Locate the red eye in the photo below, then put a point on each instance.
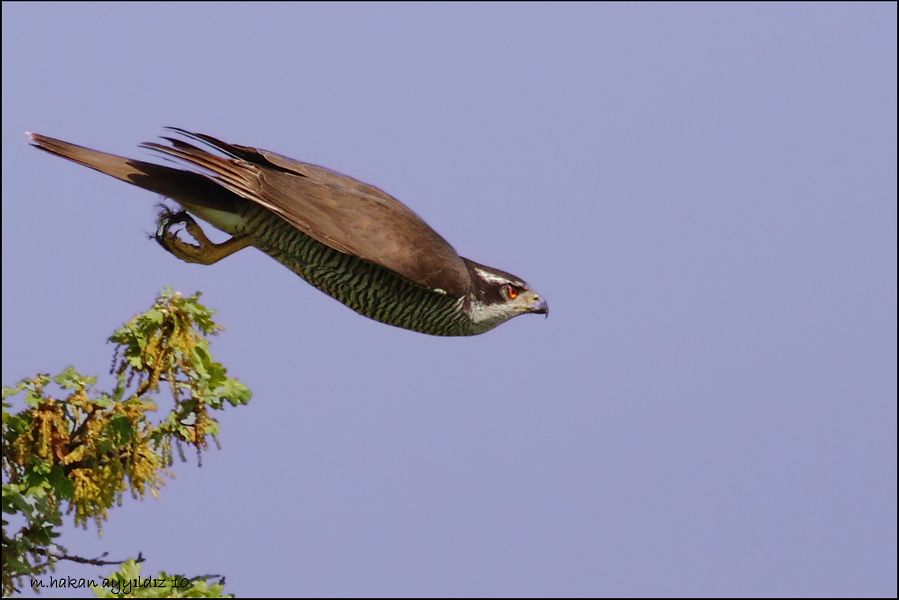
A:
(511, 292)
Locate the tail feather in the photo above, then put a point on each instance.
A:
(186, 187)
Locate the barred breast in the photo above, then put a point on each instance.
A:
(367, 288)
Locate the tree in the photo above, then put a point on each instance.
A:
(79, 450)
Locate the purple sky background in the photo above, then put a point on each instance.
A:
(706, 195)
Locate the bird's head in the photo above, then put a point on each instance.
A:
(497, 296)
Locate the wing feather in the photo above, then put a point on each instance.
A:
(334, 209)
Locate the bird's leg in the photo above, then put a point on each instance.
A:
(206, 252)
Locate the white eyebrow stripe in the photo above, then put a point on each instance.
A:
(491, 277)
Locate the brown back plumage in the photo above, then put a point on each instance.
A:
(338, 211)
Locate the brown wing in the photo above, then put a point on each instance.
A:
(336, 210)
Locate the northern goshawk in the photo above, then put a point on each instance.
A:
(348, 239)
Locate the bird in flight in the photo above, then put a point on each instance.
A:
(350, 240)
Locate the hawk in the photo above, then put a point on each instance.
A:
(349, 239)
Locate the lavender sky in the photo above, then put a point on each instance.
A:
(705, 193)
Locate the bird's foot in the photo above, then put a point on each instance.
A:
(206, 252)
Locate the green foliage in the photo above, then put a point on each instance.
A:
(79, 450)
(127, 583)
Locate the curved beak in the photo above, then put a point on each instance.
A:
(539, 306)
